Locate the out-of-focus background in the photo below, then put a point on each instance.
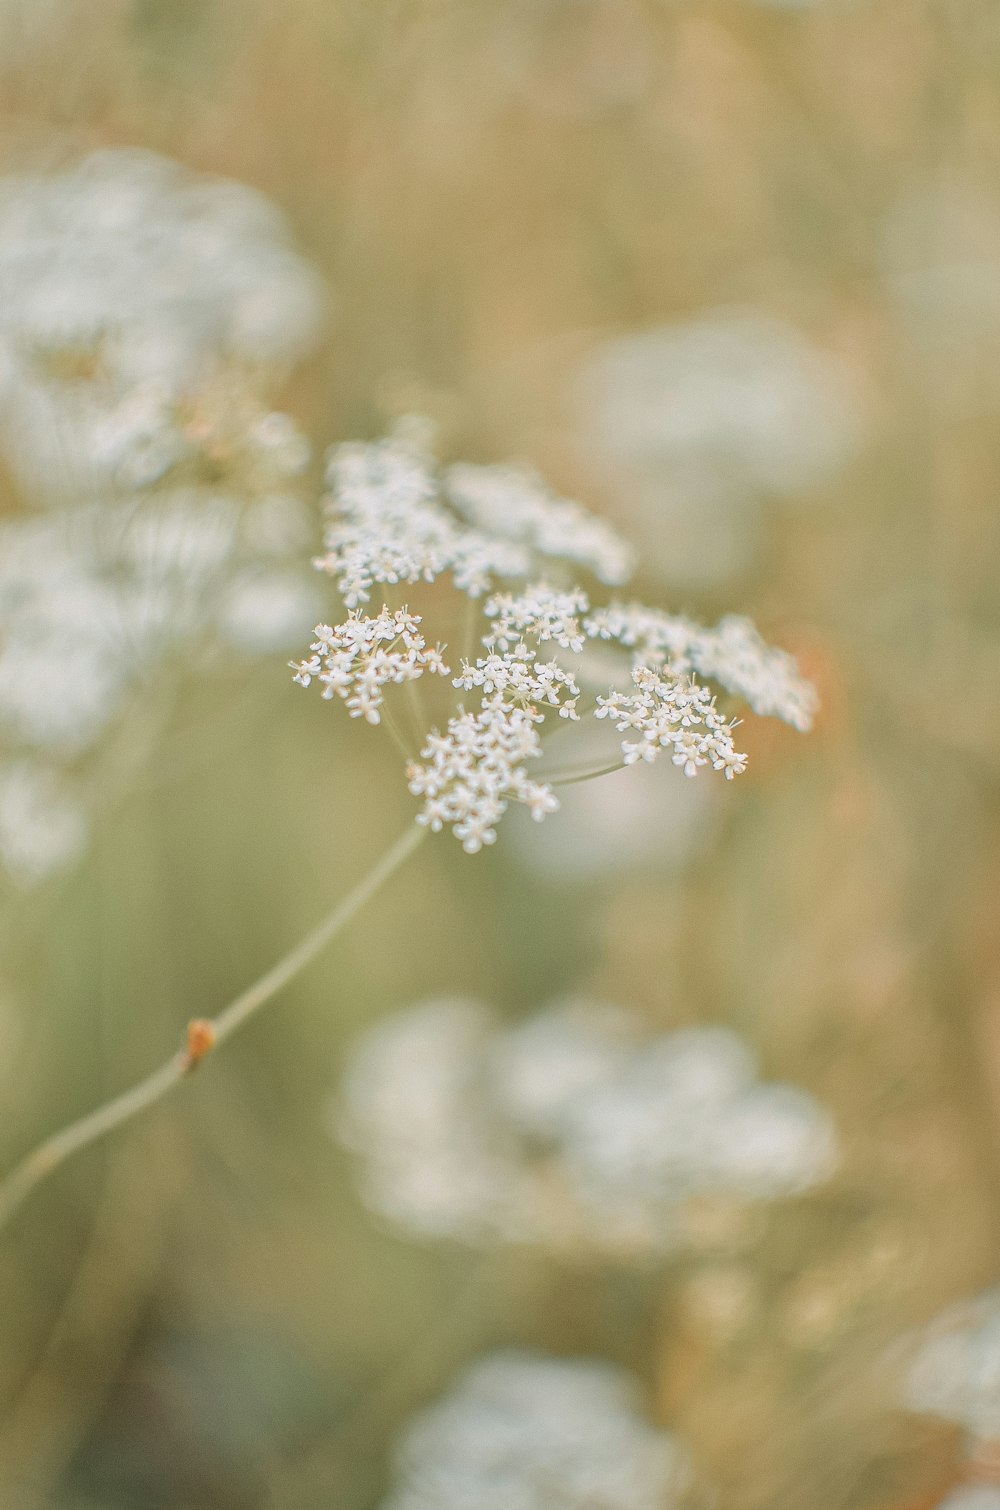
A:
(728, 273)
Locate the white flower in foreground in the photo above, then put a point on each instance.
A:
(395, 520)
(732, 654)
(358, 659)
(523, 1432)
(956, 1371)
(573, 1129)
(671, 712)
(473, 772)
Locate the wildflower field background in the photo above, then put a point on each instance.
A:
(729, 275)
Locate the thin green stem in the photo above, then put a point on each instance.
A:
(55, 1150)
(588, 775)
(418, 721)
(468, 637)
(396, 734)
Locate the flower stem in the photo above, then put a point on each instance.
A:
(203, 1036)
(587, 775)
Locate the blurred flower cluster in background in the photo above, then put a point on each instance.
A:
(649, 1159)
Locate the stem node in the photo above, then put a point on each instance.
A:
(201, 1040)
(202, 1036)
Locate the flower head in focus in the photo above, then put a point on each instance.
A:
(398, 523)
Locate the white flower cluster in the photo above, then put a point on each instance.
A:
(124, 282)
(513, 503)
(671, 711)
(518, 677)
(393, 518)
(524, 1432)
(574, 1129)
(542, 612)
(474, 770)
(956, 1371)
(732, 654)
(358, 658)
(143, 312)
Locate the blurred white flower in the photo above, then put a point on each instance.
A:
(941, 267)
(575, 1128)
(972, 1497)
(124, 282)
(409, 1108)
(263, 611)
(96, 602)
(956, 1371)
(91, 598)
(692, 423)
(523, 1432)
(42, 828)
(515, 504)
(63, 658)
(735, 387)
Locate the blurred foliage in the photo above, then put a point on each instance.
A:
(200, 1314)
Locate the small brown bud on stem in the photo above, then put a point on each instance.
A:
(200, 1041)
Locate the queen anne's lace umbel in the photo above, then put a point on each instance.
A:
(394, 518)
(360, 657)
(732, 654)
(474, 770)
(670, 711)
(388, 523)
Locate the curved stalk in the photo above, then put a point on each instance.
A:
(589, 775)
(203, 1037)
